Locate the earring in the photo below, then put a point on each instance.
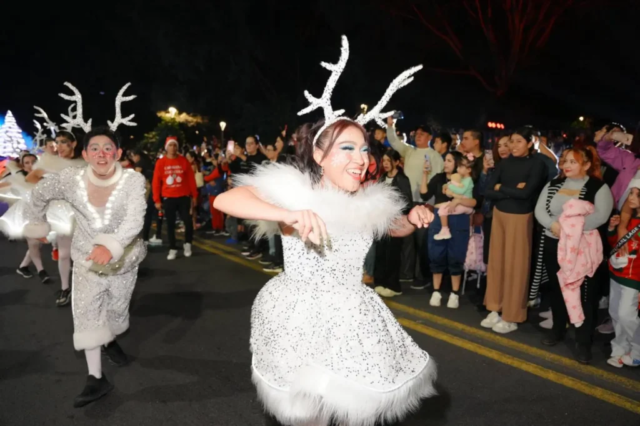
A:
(321, 171)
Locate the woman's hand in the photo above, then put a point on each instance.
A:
(308, 224)
(555, 229)
(420, 217)
(100, 255)
(497, 187)
(614, 222)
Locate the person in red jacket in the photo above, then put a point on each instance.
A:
(175, 191)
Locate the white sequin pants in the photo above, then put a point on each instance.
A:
(100, 305)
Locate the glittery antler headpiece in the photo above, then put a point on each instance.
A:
(75, 119)
(324, 101)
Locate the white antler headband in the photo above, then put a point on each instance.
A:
(39, 136)
(75, 119)
(119, 120)
(53, 127)
(324, 102)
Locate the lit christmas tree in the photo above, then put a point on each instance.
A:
(11, 140)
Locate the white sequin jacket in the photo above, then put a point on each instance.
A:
(116, 229)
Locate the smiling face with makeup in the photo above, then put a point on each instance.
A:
(102, 154)
(346, 161)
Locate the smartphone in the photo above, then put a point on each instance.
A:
(623, 138)
(427, 162)
(398, 115)
(230, 146)
(489, 155)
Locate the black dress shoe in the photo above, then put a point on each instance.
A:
(583, 353)
(93, 390)
(115, 354)
(552, 340)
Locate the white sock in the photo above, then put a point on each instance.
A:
(34, 253)
(64, 260)
(94, 362)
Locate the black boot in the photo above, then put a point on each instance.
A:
(93, 390)
(552, 339)
(583, 353)
(115, 354)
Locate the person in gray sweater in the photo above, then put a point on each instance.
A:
(582, 180)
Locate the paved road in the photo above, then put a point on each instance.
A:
(189, 346)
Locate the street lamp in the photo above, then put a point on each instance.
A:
(581, 118)
(222, 127)
(173, 111)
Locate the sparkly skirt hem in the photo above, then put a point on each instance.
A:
(319, 396)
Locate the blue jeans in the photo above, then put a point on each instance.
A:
(449, 254)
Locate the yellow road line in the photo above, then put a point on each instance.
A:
(553, 376)
(530, 350)
(227, 253)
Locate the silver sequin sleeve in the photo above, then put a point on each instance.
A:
(50, 188)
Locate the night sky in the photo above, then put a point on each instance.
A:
(248, 62)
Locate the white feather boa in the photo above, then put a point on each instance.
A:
(54, 164)
(371, 210)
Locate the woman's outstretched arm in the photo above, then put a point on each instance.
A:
(244, 202)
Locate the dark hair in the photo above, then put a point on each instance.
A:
(393, 155)
(612, 125)
(425, 128)
(27, 155)
(457, 159)
(48, 139)
(68, 135)
(196, 158)
(445, 137)
(101, 131)
(305, 135)
(470, 164)
(529, 134)
(477, 135)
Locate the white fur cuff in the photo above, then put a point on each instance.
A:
(110, 243)
(36, 230)
(92, 339)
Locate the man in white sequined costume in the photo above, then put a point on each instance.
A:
(109, 205)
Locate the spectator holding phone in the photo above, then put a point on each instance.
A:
(414, 163)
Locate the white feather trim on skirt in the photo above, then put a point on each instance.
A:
(60, 216)
(318, 396)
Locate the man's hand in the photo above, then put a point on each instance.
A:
(497, 187)
(521, 185)
(158, 206)
(100, 255)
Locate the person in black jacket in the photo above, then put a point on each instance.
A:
(389, 249)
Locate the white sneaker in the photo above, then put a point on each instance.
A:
(187, 250)
(504, 327)
(604, 303)
(491, 320)
(155, 241)
(630, 362)
(436, 299)
(454, 301)
(616, 362)
(387, 292)
(547, 324)
(172, 254)
(546, 314)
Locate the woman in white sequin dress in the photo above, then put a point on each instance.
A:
(109, 206)
(326, 349)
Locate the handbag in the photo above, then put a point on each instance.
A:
(199, 179)
(475, 253)
(113, 268)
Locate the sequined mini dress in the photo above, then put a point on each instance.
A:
(325, 347)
